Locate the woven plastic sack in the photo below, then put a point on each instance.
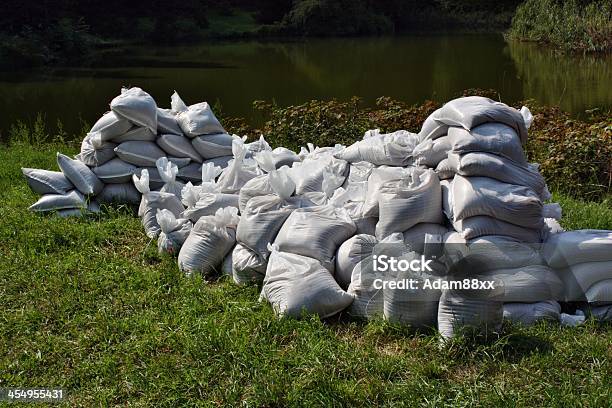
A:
(179, 146)
(47, 182)
(155, 180)
(115, 171)
(174, 232)
(408, 202)
(195, 120)
(477, 196)
(142, 154)
(247, 267)
(296, 285)
(168, 171)
(210, 240)
(414, 238)
(579, 246)
(166, 123)
(579, 278)
(376, 179)
(528, 284)
(135, 134)
(211, 146)
(124, 193)
(94, 151)
(431, 152)
(54, 202)
(110, 126)
(80, 175)
(394, 149)
(239, 171)
(137, 106)
(528, 314)
(493, 138)
(350, 253)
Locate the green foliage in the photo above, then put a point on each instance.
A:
(569, 25)
(89, 305)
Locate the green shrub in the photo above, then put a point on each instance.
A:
(570, 25)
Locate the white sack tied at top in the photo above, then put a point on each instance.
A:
(264, 215)
(394, 149)
(151, 201)
(195, 120)
(206, 198)
(94, 151)
(168, 171)
(240, 169)
(174, 232)
(209, 241)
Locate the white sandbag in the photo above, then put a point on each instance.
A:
(578, 278)
(110, 126)
(365, 280)
(257, 146)
(168, 171)
(180, 161)
(115, 171)
(174, 232)
(316, 232)
(491, 253)
(155, 180)
(211, 146)
(257, 186)
(355, 208)
(264, 216)
(135, 134)
(296, 284)
(477, 196)
(405, 203)
(124, 193)
(471, 111)
(394, 149)
(493, 138)
(197, 119)
(284, 157)
(208, 204)
(445, 170)
(478, 226)
(414, 238)
(359, 172)
(47, 182)
(166, 123)
(92, 208)
(530, 313)
(226, 264)
(432, 128)
(54, 202)
(80, 175)
(499, 168)
(142, 154)
(415, 307)
(94, 151)
(316, 153)
(601, 313)
(137, 106)
(377, 178)
(239, 170)
(574, 247)
(308, 175)
(192, 172)
(469, 309)
(151, 201)
(528, 284)
(600, 293)
(431, 152)
(247, 267)
(210, 240)
(350, 253)
(179, 146)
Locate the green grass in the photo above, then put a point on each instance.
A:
(89, 305)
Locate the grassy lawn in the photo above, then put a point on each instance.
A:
(89, 305)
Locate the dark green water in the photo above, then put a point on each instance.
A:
(411, 69)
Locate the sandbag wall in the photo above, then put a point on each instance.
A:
(306, 225)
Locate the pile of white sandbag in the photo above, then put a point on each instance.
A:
(308, 226)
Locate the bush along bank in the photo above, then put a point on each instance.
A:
(295, 222)
(570, 25)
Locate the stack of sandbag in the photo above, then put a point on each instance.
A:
(476, 145)
(583, 261)
(132, 137)
(529, 289)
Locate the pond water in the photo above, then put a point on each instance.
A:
(409, 68)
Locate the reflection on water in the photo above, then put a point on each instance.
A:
(574, 83)
(407, 68)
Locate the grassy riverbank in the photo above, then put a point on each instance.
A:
(89, 305)
(569, 25)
